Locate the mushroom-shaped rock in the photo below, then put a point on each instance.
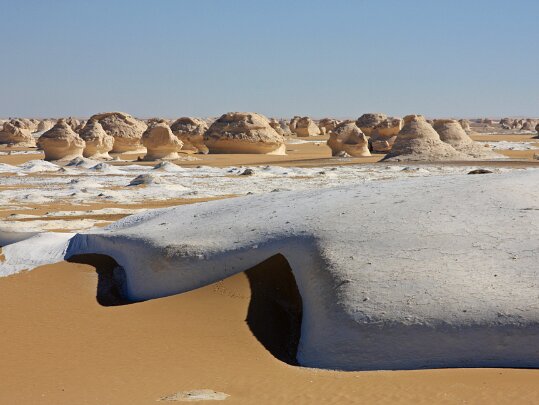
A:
(368, 121)
(452, 133)
(383, 135)
(61, 142)
(418, 141)
(306, 127)
(126, 130)
(98, 142)
(26, 123)
(45, 125)
(15, 133)
(348, 138)
(327, 125)
(244, 132)
(191, 132)
(161, 143)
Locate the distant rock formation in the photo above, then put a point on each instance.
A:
(293, 122)
(126, 130)
(244, 132)
(44, 125)
(465, 124)
(280, 126)
(348, 138)
(98, 142)
(452, 133)
(75, 124)
(191, 132)
(161, 143)
(528, 125)
(156, 120)
(16, 133)
(383, 135)
(418, 141)
(26, 123)
(61, 142)
(327, 125)
(305, 127)
(368, 121)
(506, 123)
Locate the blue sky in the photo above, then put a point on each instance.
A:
(281, 58)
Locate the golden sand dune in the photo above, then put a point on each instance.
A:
(61, 346)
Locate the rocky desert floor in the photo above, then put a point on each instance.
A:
(69, 340)
(39, 195)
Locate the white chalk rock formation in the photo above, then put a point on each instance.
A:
(280, 126)
(305, 127)
(156, 120)
(26, 123)
(75, 124)
(16, 133)
(45, 125)
(126, 130)
(191, 132)
(327, 125)
(368, 121)
(161, 143)
(452, 133)
(460, 290)
(465, 124)
(384, 134)
(98, 142)
(244, 132)
(528, 125)
(348, 138)
(293, 122)
(506, 123)
(516, 125)
(147, 179)
(418, 141)
(61, 142)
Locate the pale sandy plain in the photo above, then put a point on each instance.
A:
(65, 343)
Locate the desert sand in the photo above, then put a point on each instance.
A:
(139, 353)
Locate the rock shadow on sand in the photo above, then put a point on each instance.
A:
(110, 278)
(275, 310)
(274, 313)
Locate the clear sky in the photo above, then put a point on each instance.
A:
(281, 58)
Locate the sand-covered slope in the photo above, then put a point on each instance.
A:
(438, 272)
(60, 347)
